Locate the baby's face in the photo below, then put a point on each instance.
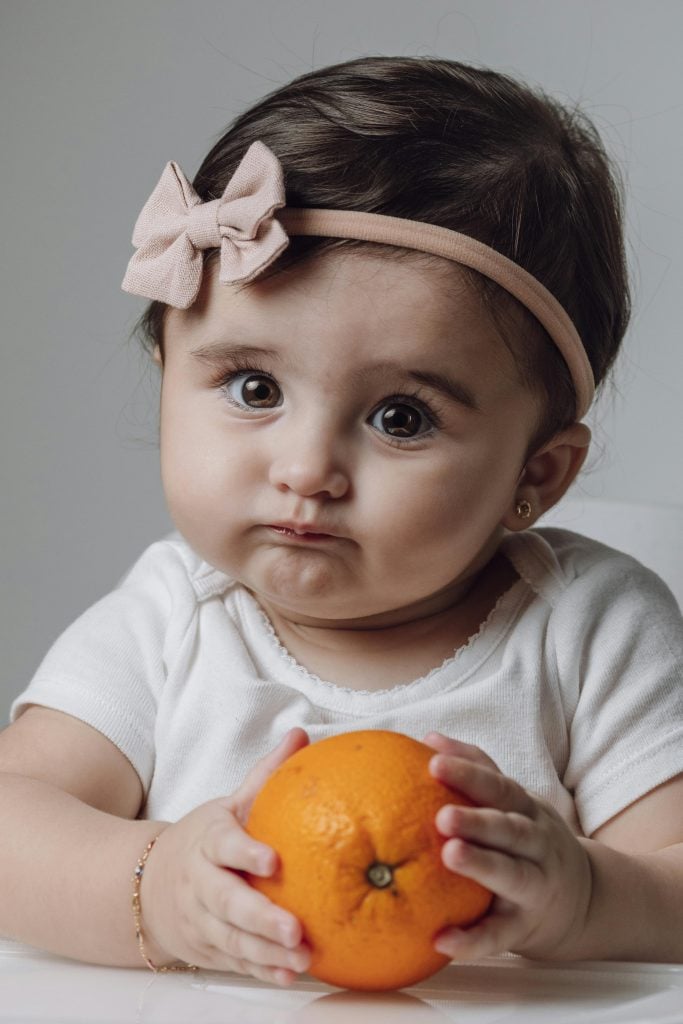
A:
(344, 439)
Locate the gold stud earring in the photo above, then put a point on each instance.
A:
(523, 509)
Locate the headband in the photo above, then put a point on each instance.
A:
(174, 226)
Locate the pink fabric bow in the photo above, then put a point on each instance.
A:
(174, 227)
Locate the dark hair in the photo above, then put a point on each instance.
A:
(467, 148)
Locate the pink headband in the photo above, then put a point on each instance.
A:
(174, 227)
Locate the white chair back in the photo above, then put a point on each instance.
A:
(651, 533)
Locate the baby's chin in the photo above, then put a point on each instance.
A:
(326, 610)
(311, 588)
(302, 581)
(310, 591)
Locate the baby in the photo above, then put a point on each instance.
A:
(380, 312)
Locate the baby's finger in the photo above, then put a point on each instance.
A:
(274, 975)
(217, 961)
(232, 847)
(496, 933)
(482, 784)
(243, 797)
(507, 832)
(513, 878)
(237, 944)
(456, 748)
(231, 900)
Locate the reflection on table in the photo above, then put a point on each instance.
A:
(42, 988)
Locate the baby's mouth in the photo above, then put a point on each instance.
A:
(299, 533)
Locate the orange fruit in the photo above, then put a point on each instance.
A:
(352, 820)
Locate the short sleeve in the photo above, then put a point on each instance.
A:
(108, 667)
(623, 638)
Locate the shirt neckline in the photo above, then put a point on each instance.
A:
(278, 664)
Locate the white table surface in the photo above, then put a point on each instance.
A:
(39, 987)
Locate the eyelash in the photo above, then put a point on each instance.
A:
(223, 379)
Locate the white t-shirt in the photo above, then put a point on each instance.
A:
(573, 685)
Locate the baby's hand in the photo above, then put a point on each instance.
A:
(520, 848)
(195, 905)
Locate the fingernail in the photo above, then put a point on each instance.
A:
(446, 942)
(299, 961)
(288, 935)
(264, 862)
(446, 820)
(455, 852)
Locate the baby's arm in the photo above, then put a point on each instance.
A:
(69, 845)
(558, 896)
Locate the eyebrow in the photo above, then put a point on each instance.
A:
(450, 388)
(454, 390)
(219, 351)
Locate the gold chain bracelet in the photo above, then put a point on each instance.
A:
(137, 914)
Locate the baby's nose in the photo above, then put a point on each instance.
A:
(309, 467)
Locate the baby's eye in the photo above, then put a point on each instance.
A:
(255, 390)
(397, 419)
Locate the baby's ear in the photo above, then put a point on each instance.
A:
(156, 356)
(547, 475)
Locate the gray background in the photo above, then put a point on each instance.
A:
(97, 96)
